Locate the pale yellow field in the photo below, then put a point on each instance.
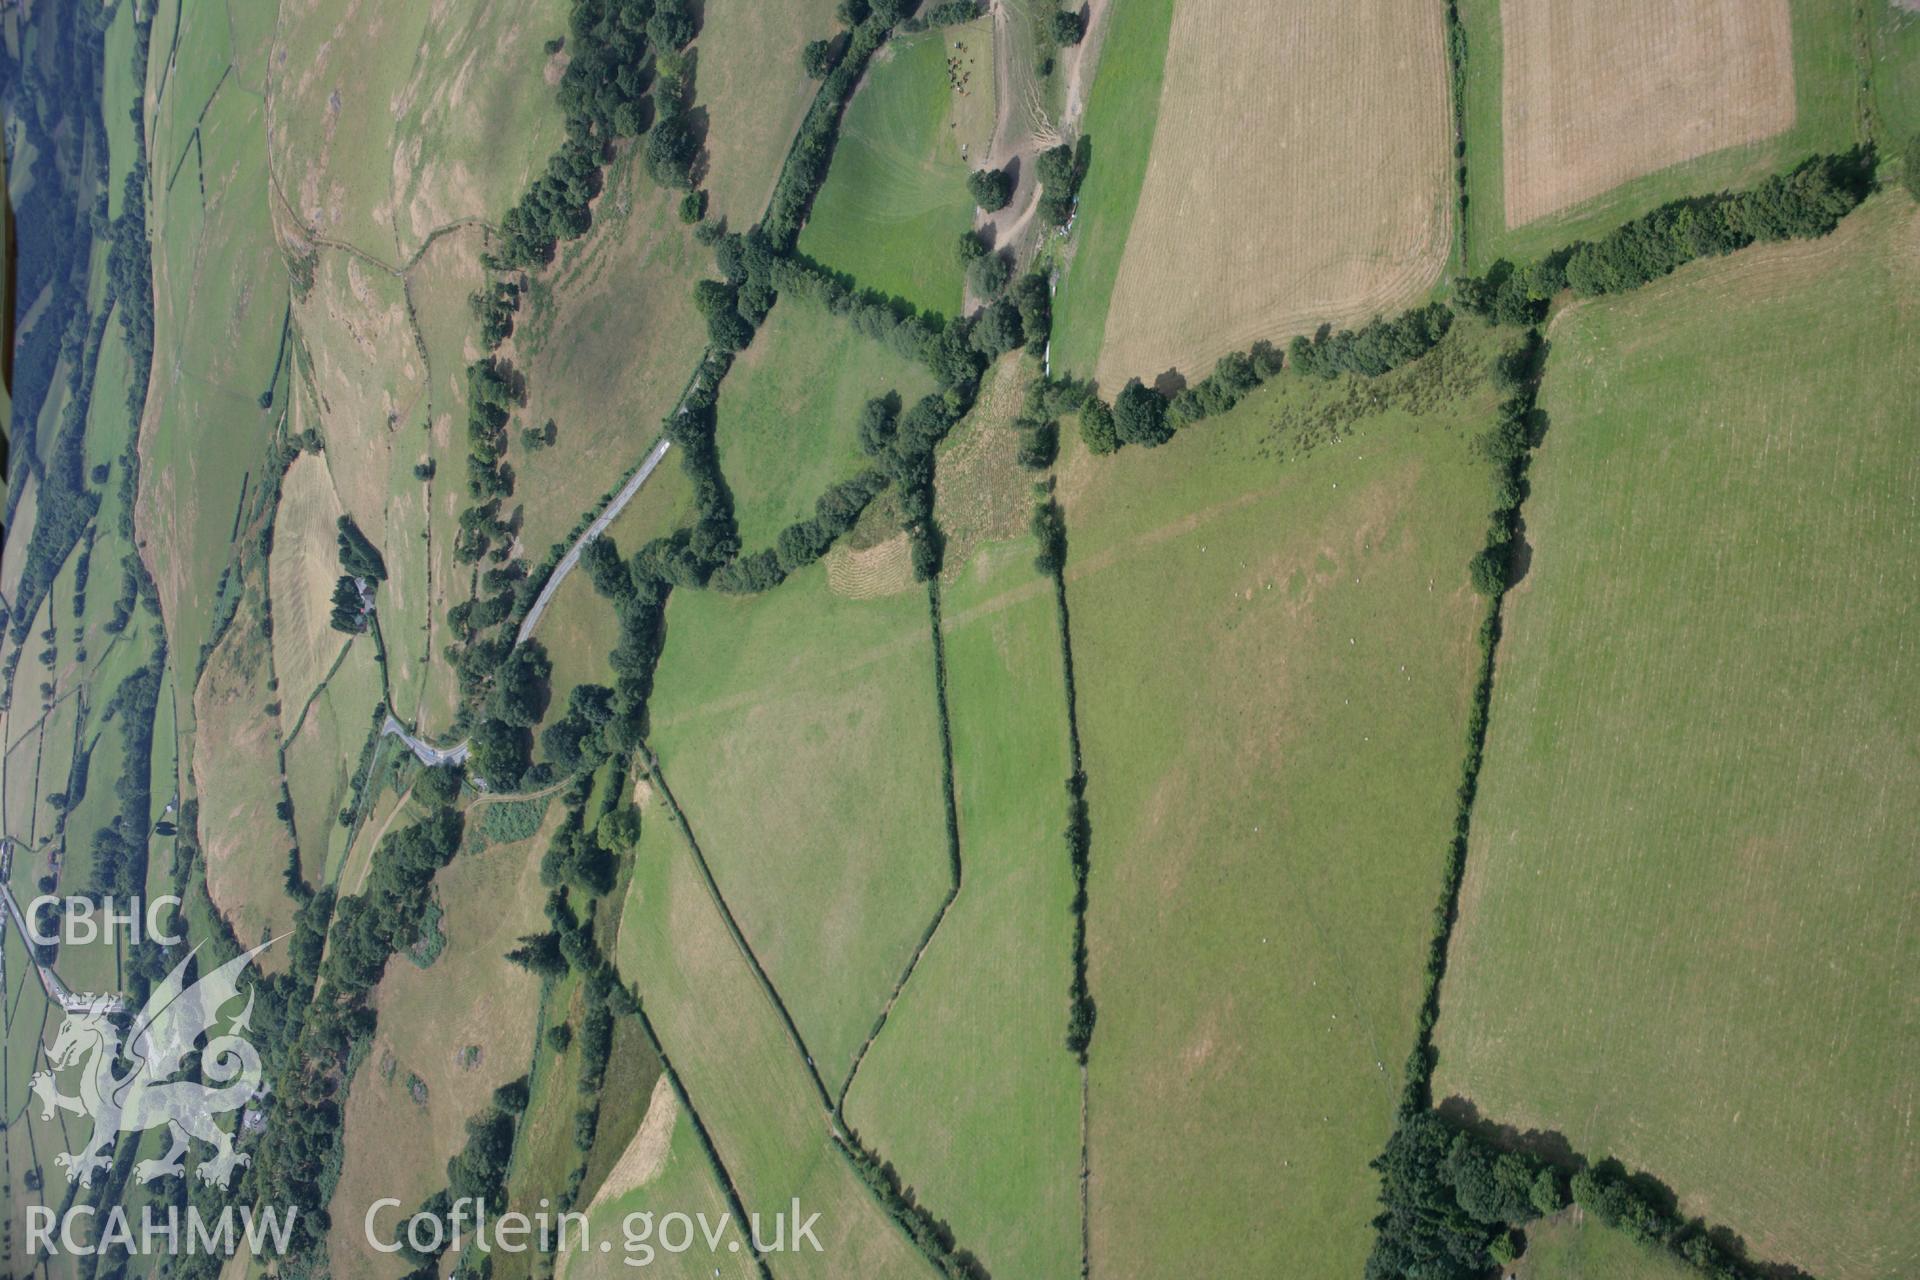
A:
(303, 569)
(394, 1145)
(1595, 92)
(750, 79)
(1299, 175)
(236, 772)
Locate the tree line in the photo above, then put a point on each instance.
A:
(1806, 203)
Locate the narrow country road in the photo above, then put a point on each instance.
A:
(429, 754)
(594, 530)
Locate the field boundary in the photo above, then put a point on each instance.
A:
(953, 844)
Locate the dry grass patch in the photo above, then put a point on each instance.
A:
(1596, 92)
(1299, 174)
(751, 80)
(431, 1020)
(236, 771)
(303, 570)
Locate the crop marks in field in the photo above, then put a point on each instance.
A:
(1597, 92)
(1274, 659)
(1299, 175)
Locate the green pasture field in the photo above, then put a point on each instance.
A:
(1570, 1246)
(1122, 108)
(608, 340)
(970, 1090)
(741, 1069)
(201, 50)
(543, 1151)
(798, 731)
(91, 968)
(1895, 49)
(685, 1183)
(118, 95)
(1275, 649)
(750, 81)
(220, 295)
(895, 201)
(1686, 922)
(1826, 108)
(789, 414)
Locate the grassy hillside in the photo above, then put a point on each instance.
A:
(798, 731)
(1274, 647)
(969, 1089)
(1687, 908)
(789, 414)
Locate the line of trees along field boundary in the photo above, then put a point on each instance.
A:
(952, 820)
(1452, 1199)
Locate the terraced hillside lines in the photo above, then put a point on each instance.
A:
(789, 414)
(1688, 924)
(303, 570)
(606, 342)
(1339, 211)
(801, 734)
(969, 1089)
(462, 1027)
(1274, 663)
(741, 1069)
(1591, 100)
(895, 201)
(755, 91)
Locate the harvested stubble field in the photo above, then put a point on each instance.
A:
(1578, 118)
(1600, 91)
(1274, 656)
(1299, 174)
(798, 730)
(1687, 928)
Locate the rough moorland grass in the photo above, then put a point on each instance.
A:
(896, 200)
(1826, 109)
(740, 1068)
(323, 757)
(789, 413)
(1274, 661)
(220, 294)
(798, 731)
(390, 124)
(1686, 917)
(970, 1090)
(303, 569)
(1122, 109)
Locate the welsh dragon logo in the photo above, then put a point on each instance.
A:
(143, 1096)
